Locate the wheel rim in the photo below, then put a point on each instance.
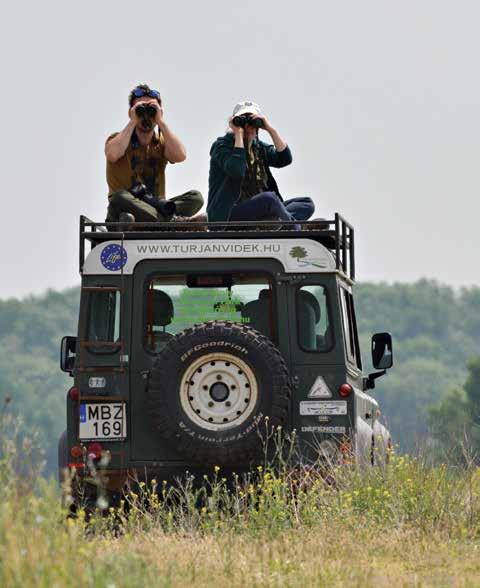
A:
(218, 391)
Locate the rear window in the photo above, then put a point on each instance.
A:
(174, 302)
(352, 344)
(313, 320)
(103, 331)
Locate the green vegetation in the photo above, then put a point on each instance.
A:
(455, 421)
(30, 333)
(406, 524)
(436, 332)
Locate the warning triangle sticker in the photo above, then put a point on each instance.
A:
(319, 389)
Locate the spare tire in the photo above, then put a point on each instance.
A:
(211, 388)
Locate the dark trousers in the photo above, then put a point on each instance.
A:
(186, 204)
(268, 206)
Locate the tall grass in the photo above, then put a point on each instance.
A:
(405, 524)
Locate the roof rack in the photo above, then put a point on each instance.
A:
(337, 235)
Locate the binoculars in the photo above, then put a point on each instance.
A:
(145, 110)
(146, 113)
(246, 119)
(166, 208)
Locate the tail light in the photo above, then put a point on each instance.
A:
(74, 393)
(94, 451)
(76, 466)
(76, 451)
(346, 452)
(345, 390)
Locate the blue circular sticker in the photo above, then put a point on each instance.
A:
(113, 257)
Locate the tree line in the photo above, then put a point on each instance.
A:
(430, 399)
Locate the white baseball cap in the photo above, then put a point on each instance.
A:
(246, 107)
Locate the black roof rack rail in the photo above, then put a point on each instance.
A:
(337, 235)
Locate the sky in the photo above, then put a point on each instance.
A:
(379, 102)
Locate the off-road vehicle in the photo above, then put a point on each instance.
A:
(190, 344)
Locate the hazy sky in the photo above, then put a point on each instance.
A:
(379, 101)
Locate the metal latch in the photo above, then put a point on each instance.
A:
(293, 279)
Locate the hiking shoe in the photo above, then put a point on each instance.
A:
(195, 222)
(127, 221)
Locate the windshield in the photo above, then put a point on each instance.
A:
(175, 302)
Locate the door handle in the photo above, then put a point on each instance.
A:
(146, 375)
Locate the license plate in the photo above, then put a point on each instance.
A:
(323, 407)
(106, 421)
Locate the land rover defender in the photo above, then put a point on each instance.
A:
(189, 343)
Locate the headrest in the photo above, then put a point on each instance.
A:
(308, 298)
(264, 294)
(161, 306)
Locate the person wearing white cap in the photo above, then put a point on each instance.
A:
(241, 185)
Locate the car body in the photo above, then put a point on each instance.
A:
(190, 343)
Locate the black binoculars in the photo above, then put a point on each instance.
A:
(145, 110)
(246, 119)
(166, 208)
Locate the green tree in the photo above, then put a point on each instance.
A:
(455, 420)
(435, 328)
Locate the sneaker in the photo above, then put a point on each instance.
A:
(201, 217)
(127, 221)
(195, 222)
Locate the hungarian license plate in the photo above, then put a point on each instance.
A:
(107, 421)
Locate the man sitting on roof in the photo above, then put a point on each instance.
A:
(136, 161)
(241, 185)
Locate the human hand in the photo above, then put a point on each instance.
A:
(266, 126)
(159, 115)
(133, 115)
(237, 131)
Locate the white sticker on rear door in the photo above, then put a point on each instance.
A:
(97, 382)
(319, 389)
(323, 407)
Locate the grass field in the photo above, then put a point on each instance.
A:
(408, 524)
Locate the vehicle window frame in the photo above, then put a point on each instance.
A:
(329, 311)
(112, 347)
(151, 276)
(350, 329)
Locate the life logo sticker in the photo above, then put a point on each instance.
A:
(113, 257)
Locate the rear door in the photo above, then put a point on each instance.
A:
(165, 302)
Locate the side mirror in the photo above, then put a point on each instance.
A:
(68, 349)
(382, 351)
